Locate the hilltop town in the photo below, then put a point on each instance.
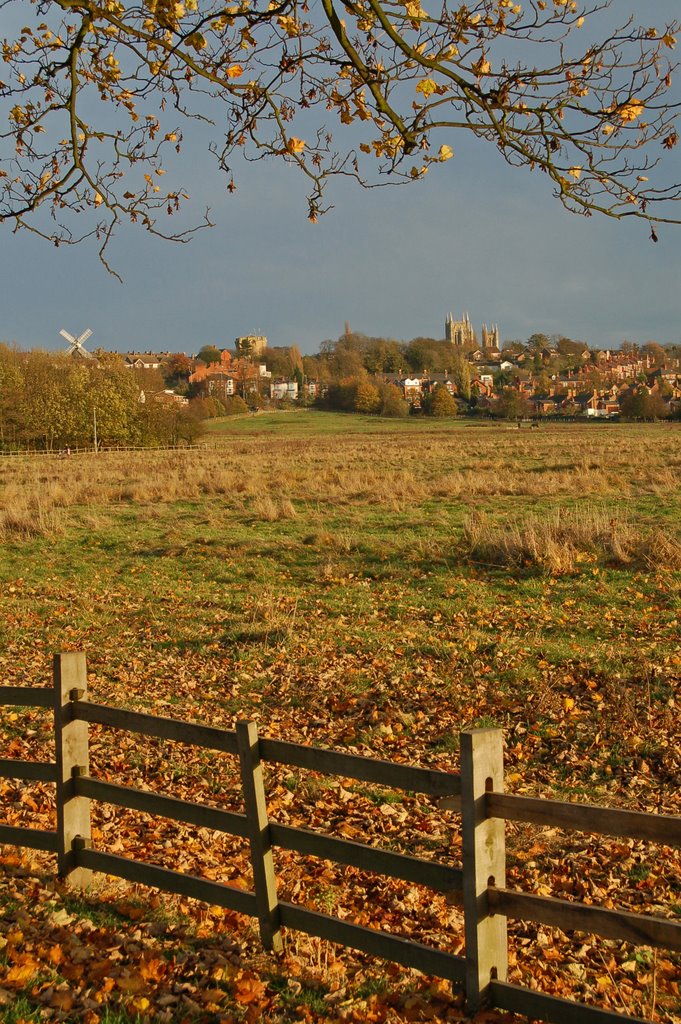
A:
(474, 374)
(83, 398)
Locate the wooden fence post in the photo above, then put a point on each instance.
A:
(484, 863)
(258, 831)
(72, 757)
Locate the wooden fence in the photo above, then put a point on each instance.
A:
(477, 792)
(101, 449)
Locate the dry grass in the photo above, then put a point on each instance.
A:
(274, 475)
(558, 542)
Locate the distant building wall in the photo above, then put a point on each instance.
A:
(252, 345)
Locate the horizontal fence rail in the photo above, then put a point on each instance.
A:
(33, 838)
(165, 806)
(476, 792)
(641, 929)
(538, 1006)
(367, 858)
(364, 769)
(27, 696)
(390, 947)
(141, 873)
(603, 821)
(152, 725)
(61, 453)
(29, 771)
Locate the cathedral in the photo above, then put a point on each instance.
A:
(462, 333)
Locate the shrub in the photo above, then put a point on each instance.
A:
(235, 406)
(392, 402)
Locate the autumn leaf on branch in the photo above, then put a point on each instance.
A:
(93, 94)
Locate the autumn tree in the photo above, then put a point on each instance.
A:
(366, 398)
(53, 401)
(10, 390)
(94, 96)
(512, 405)
(655, 353)
(393, 403)
(440, 403)
(177, 369)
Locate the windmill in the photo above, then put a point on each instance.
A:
(76, 344)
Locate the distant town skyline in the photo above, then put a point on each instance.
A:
(387, 261)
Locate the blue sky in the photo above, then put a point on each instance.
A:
(475, 235)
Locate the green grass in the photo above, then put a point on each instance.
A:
(366, 584)
(313, 423)
(314, 577)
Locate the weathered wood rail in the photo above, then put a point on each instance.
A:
(477, 792)
(104, 449)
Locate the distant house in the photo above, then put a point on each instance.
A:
(220, 385)
(142, 361)
(482, 388)
(280, 389)
(169, 398)
(546, 405)
(597, 405)
(439, 380)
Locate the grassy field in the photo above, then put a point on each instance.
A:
(377, 585)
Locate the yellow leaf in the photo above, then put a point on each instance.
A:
(575, 172)
(414, 9)
(295, 145)
(427, 87)
(445, 153)
(630, 111)
(234, 71)
(289, 25)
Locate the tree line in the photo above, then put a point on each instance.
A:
(55, 402)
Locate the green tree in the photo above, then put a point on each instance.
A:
(536, 342)
(461, 375)
(639, 405)
(235, 406)
(209, 354)
(428, 354)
